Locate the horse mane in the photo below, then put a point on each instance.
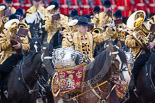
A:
(122, 56)
(31, 57)
(102, 61)
(95, 67)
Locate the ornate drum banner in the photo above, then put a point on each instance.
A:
(68, 80)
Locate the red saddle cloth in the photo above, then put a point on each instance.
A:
(68, 80)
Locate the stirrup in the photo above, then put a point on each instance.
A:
(5, 93)
(134, 90)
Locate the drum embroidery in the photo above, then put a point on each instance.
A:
(68, 80)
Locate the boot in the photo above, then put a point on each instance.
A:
(132, 83)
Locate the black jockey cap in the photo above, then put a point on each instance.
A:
(118, 14)
(9, 1)
(73, 13)
(83, 21)
(54, 3)
(13, 16)
(20, 12)
(107, 3)
(97, 9)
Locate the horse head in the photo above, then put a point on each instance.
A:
(35, 44)
(119, 62)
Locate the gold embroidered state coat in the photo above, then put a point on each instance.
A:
(52, 28)
(85, 43)
(101, 19)
(134, 47)
(121, 32)
(6, 47)
(132, 43)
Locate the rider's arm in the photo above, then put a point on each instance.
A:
(67, 41)
(49, 26)
(4, 40)
(130, 41)
(95, 20)
(99, 38)
(104, 19)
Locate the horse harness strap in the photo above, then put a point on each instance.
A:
(89, 90)
(101, 99)
(22, 77)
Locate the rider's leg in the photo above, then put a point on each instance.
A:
(138, 65)
(10, 62)
(7, 67)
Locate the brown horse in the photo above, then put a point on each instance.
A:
(106, 64)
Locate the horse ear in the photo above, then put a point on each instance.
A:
(111, 47)
(119, 44)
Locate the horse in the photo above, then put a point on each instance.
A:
(22, 81)
(109, 62)
(145, 88)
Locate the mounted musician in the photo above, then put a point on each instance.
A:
(11, 41)
(68, 34)
(55, 21)
(96, 10)
(105, 17)
(73, 19)
(121, 29)
(13, 44)
(138, 42)
(84, 41)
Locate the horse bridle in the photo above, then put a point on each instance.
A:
(116, 72)
(21, 77)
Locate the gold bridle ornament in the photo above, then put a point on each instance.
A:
(136, 23)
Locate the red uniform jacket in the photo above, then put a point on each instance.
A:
(125, 6)
(151, 6)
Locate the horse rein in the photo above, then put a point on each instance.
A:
(21, 78)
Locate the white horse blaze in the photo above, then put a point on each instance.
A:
(125, 73)
(35, 46)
